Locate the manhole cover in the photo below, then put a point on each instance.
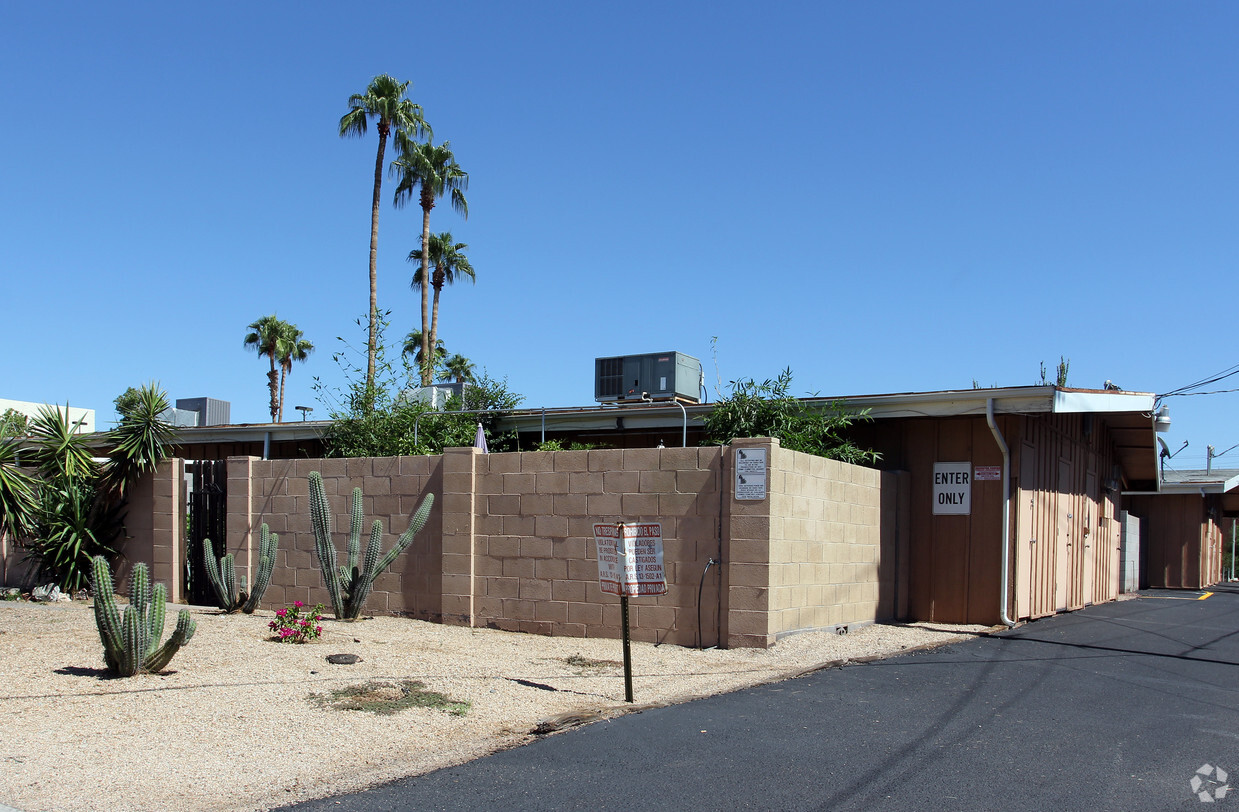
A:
(343, 659)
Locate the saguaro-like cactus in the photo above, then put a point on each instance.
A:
(131, 641)
(350, 586)
(223, 574)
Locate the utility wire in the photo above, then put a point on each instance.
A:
(1183, 390)
(1185, 394)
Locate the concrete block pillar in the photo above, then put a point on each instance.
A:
(746, 572)
(459, 508)
(242, 529)
(168, 527)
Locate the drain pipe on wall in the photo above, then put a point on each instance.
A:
(1006, 511)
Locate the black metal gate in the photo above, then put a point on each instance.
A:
(208, 519)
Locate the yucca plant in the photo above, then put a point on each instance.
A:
(139, 443)
(350, 586)
(18, 505)
(131, 640)
(223, 574)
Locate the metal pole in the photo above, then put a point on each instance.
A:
(622, 548)
(627, 651)
(1232, 549)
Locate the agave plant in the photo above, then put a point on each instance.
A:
(73, 527)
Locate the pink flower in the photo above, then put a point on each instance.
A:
(281, 613)
(318, 629)
(298, 604)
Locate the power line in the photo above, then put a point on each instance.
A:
(1185, 394)
(1183, 390)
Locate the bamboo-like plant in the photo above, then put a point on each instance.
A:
(223, 574)
(350, 586)
(131, 640)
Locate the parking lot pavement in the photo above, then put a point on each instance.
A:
(1129, 705)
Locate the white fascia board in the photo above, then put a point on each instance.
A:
(1205, 485)
(1073, 402)
(952, 403)
(248, 432)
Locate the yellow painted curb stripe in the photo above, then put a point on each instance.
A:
(1202, 597)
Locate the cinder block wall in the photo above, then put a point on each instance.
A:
(510, 541)
(277, 492)
(536, 567)
(825, 543)
(155, 529)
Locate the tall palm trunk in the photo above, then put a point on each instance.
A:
(273, 384)
(281, 420)
(438, 280)
(428, 203)
(384, 128)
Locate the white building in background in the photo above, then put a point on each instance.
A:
(84, 419)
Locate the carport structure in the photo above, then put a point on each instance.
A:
(1181, 527)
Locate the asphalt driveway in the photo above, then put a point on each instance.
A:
(1119, 706)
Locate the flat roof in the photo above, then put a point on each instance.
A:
(1129, 416)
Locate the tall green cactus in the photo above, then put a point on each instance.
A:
(223, 574)
(350, 586)
(131, 641)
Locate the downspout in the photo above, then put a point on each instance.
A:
(1006, 511)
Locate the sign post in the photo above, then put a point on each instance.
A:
(630, 562)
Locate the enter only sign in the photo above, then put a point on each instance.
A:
(952, 488)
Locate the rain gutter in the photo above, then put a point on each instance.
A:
(1006, 512)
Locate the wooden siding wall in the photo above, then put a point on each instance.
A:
(1067, 532)
(1064, 514)
(954, 562)
(1183, 543)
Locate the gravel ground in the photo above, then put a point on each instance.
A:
(237, 721)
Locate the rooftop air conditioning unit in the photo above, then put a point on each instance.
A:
(657, 375)
(211, 412)
(436, 396)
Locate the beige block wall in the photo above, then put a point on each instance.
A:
(155, 529)
(826, 545)
(816, 553)
(510, 541)
(15, 569)
(536, 564)
(277, 492)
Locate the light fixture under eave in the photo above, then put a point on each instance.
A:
(1161, 420)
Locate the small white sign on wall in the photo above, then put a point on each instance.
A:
(952, 488)
(750, 473)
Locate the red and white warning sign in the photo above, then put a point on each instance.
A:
(631, 563)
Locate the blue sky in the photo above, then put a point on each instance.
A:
(887, 197)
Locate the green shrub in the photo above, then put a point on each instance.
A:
(766, 409)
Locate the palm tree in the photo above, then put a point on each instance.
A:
(460, 368)
(292, 347)
(433, 172)
(413, 345)
(449, 263)
(265, 337)
(384, 99)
